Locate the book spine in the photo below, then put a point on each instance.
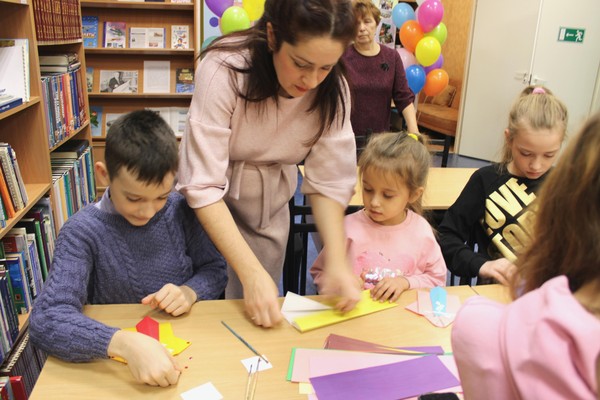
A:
(15, 165)
(18, 280)
(6, 200)
(11, 179)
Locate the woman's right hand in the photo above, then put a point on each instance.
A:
(148, 360)
(260, 299)
(341, 283)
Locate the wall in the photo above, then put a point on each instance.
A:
(457, 17)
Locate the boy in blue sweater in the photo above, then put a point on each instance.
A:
(140, 243)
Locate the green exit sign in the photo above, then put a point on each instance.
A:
(571, 34)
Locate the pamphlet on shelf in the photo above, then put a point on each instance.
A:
(89, 28)
(114, 34)
(180, 37)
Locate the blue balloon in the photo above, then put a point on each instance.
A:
(415, 76)
(401, 13)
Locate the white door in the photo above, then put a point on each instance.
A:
(569, 68)
(502, 41)
(517, 42)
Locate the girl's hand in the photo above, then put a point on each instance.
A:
(389, 289)
(501, 270)
(148, 360)
(172, 299)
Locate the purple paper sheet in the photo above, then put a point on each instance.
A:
(386, 382)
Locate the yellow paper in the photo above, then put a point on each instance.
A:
(305, 388)
(328, 317)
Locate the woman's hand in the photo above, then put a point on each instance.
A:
(260, 299)
(342, 283)
(172, 299)
(148, 360)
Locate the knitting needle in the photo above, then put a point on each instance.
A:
(243, 341)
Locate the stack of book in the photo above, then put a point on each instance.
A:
(56, 20)
(63, 95)
(13, 196)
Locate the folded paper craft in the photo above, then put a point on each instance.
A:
(163, 332)
(442, 319)
(305, 314)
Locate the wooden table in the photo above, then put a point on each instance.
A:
(215, 353)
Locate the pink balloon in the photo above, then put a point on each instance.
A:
(436, 65)
(407, 57)
(218, 7)
(430, 14)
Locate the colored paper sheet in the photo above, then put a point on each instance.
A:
(388, 382)
(423, 307)
(329, 317)
(148, 326)
(251, 364)
(339, 342)
(295, 306)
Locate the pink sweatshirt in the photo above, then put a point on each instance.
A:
(542, 346)
(409, 247)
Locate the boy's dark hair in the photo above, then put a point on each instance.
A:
(142, 143)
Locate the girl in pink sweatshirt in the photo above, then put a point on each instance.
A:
(391, 246)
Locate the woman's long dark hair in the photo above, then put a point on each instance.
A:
(292, 21)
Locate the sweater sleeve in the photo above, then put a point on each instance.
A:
(459, 225)
(330, 167)
(204, 149)
(431, 263)
(57, 324)
(210, 269)
(402, 94)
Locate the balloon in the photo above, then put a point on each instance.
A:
(401, 13)
(410, 34)
(430, 14)
(254, 8)
(218, 7)
(435, 82)
(440, 32)
(438, 64)
(428, 51)
(415, 76)
(234, 19)
(407, 57)
(208, 41)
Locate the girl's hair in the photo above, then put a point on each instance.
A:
(403, 155)
(293, 21)
(362, 8)
(536, 108)
(567, 222)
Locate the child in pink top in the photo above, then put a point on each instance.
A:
(391, 246)
(546, 344)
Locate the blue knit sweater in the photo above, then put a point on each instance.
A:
(102, 259)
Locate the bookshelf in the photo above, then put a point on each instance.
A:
(138, 15)
(26, 129)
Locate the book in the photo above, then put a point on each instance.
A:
(33, 227)
(8, 101)
(89, 79)
(144, 38)
(63, 59)
(16, 268)
(14, 68)
(15, 165)
(184, 80)
(157, 76)
(114, 34)
(74, 148)
(59, 69)
(96, 120)
(7, 202)
(18, 387)
(89, 28)
(118, 81)
(110, 118)
(11, 179)
(180, 36)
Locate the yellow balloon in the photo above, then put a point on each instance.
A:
(254, 8)
(428, 50)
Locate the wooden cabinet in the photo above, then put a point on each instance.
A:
(138, 15)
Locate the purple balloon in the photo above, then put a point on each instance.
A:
(407, 57)
(218, 7)
(435, 65)
(430, 14)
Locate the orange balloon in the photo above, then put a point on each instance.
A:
(435, 82)
(410, 34)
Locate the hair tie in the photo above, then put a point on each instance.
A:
(538, 90)
(413, 135)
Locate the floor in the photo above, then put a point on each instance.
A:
(454, 161)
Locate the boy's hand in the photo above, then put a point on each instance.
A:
(389, 289)
(172, 299)
(148, 360)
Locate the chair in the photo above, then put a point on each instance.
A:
(440, 114)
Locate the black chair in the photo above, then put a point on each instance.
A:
(296, 263)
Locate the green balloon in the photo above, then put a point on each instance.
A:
(234, 19)
(440, 32)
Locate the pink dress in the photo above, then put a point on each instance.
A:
(543, 346)
(247, 155)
